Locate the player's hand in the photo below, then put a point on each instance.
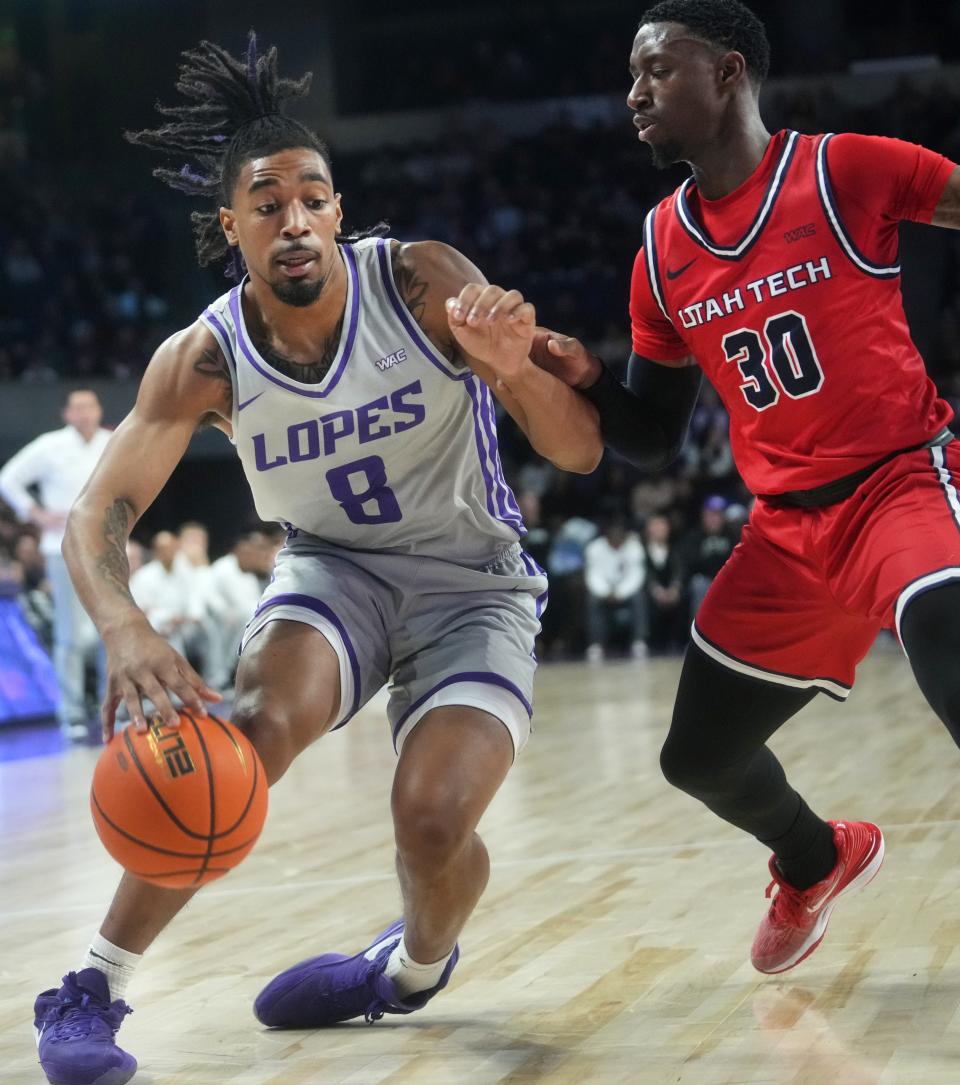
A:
(142, 664)
(493, 325)
(565, 357)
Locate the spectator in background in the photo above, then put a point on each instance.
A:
(165, 590)
(736, 516)
(26, 550)
(161, 586)
(11, 575)
(193, 563)
(615, 571)
(193, 557)
(562, 625)
(194, 549)
(234, 588)
(35, 600)
(664, 585)
(705, 550)
(58, 465)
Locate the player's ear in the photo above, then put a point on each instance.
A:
(336, 197)
(731, 69)
(228, 221)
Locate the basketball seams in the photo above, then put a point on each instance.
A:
(212, 797)
(253, 787)
(215, 871)
(165, 851)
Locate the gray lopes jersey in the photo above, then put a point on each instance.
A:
(394, 450)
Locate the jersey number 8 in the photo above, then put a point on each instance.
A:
(372, 501)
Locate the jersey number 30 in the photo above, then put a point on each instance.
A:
(784, 358)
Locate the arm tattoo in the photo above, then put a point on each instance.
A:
(413, 290)
(213, 365)
(112, 563)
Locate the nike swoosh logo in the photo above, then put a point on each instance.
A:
(680, 270)
(247, 402)
(372, 952)
(819, 903)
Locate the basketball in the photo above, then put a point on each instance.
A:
(179, 807)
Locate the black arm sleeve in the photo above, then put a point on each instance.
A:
(646, 420)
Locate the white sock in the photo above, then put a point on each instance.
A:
(408, 975)
(115, 963)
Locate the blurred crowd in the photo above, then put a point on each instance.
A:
(87, 286)
(93, 277)
(493, 63)
(86, 293)
(631, 556)
(199, 603)
(555, 51)
(626, 574)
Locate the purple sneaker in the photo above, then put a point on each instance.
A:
(332, 988)
(75, 1032)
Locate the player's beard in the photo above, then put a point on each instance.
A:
(297, 292)
(666, 154)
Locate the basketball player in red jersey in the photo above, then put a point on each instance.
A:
(773, 270)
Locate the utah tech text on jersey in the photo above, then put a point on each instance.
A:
(316, 437)
(758, 290)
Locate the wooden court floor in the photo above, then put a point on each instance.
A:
(611, 946)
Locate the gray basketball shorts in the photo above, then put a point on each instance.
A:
(438, 632)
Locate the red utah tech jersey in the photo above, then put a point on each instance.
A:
(802, 334)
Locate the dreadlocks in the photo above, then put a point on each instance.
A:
(234, 113)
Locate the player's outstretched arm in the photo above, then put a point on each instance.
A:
(494, 342)
(186, 383)
(646, 420)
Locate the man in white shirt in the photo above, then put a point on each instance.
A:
(58, 464)
(615, 571)
(204, 641)
(234, 588)
(165, 589)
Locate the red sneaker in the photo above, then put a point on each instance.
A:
(797, 920)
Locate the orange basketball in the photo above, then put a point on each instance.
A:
(179, 807)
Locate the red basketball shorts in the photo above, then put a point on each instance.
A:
(804, 594)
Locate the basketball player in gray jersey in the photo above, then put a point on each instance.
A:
(354, 376)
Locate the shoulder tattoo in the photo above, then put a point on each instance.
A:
(413, 289)
(212, 365)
